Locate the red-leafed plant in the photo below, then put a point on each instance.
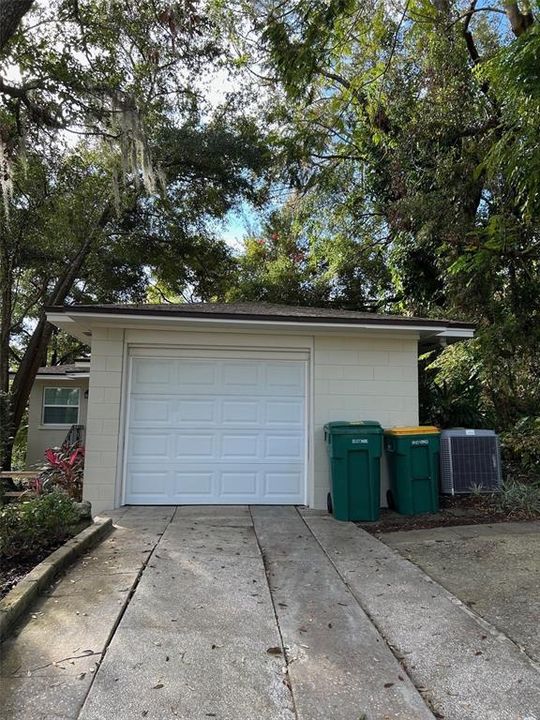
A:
(64, 470)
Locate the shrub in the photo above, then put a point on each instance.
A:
(520, 500)
(521, 450)
(27, 528)
(64, 470)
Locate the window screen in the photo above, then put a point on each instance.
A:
(61, 406)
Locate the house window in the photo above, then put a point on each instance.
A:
(60, 406)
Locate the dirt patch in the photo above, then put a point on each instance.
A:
(457, 510)
(13, 570)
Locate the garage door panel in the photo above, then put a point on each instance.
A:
(152, 373)
(238, 375)
(149, 445)
(192, 373)
(285, 378)
(148, 483)
(222, 431)
(238, 446)
(239, 484)
(283, 485)
(196, 445)
(243, 412)
(194, 410)
(284, 412)
(193, 484)
(284, 447)
(146, 410)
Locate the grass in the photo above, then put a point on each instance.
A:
(519, 499)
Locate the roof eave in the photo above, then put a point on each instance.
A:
(81, 322)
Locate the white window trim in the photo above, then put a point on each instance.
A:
(52, 426)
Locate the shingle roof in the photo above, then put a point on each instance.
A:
(262, 312)
(59, 370)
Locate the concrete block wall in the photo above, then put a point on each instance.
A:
(361, 378)
(354, 378)
(103, 419)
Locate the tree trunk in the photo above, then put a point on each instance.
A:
(5, 317)
(33, 355)
(11, 14)
(519, 21)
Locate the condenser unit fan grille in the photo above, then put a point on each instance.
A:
(470, 463)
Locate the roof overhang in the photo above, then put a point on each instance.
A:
(81, 322)
(62, 376)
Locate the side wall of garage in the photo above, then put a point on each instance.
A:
(361, 378)
(351, 378)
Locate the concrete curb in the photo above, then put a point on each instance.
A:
(19, 599)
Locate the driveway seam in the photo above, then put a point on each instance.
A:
(369, 616)
(276, 618)
(123, 609)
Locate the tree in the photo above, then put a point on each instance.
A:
(136, 204)
(11, 14)
(413, 131)
(70, 240)
(100, 69)
(301, 258)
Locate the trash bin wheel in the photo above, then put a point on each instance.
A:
(329, 503)
(390, 500)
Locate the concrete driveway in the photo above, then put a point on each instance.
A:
(262, 613)
(494, 569)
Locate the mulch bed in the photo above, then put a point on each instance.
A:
(13, 570)
(456, 510)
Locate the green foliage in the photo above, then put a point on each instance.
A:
(31, 526)
(520, 500)
(410, 137)
(450, 388)
(521, 450)
(513, 74)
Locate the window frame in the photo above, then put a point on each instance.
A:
(44, 405)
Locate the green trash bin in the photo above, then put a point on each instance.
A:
(413, 459)
(354, 450)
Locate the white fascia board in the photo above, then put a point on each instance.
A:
(457, 334)
(125, 319)
(55, 376)
(80, 324)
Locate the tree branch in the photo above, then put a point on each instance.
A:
(11, 14)
(519, 22)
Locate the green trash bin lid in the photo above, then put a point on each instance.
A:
(345, 427)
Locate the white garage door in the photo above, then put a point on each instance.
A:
(203, 431)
